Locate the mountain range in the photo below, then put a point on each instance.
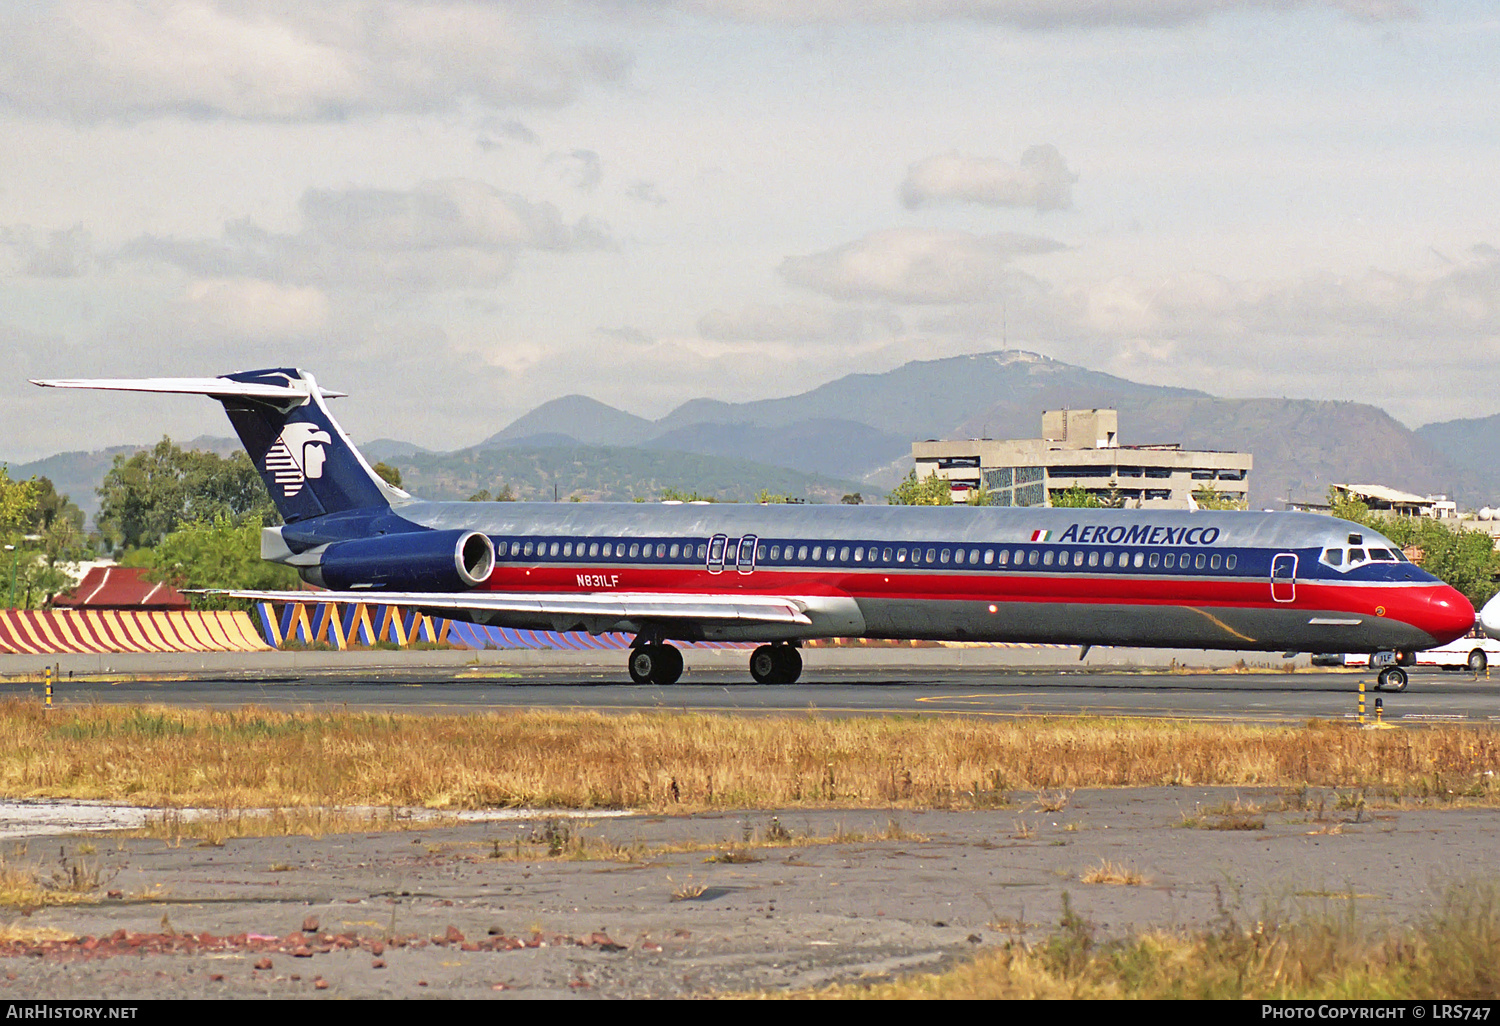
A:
(855, 433)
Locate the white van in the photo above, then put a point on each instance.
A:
(1473, 652)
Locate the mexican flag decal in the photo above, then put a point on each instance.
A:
(1040, 536)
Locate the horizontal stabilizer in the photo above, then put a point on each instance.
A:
(215, 387)
(617, 606)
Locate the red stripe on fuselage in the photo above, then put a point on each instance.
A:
(1364, 599)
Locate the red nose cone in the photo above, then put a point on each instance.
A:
(1443, 612)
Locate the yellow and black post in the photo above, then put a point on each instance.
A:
(47, 675)
(1361, 703)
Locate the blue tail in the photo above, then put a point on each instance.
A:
(309, 465)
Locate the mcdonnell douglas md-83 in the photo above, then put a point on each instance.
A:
(781, 574)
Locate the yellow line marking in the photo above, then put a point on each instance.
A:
(1220, 623)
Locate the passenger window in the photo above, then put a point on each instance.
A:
(989, 556)
(1166, 560)
(635, 550)
(568, 549)
(1229, 562)
(500, 549)
(931, 555)
(1140, 557)
(1078, 558)
(958, 555)
(527, 550)
(859, 554)
(974, 556)
(1109, 559)
(1154, 558)
(843, 554)
(703, 552)
(1004, 558)
(1047, 558)
(775, 551)
(1094, 558)
(1031, 558)
(885, 555)
(1198, 562)
(817, 552)
(554, 548)
(1213, 563)
(661, 551)
(945, 555)
(901, 555)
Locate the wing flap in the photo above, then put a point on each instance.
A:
(620, 606)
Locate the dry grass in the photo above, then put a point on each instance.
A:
(226, 824)
(1107, 872)
(27, 883)
(1332, 955)
(253, 758)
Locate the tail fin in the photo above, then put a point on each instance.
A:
(309, 465)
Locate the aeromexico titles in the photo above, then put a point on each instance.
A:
(781, 574)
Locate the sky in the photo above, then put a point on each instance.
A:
(456, 211)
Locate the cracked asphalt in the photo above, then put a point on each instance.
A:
(451, 911)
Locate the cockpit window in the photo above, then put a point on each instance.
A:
(1383, 555)
(1356, 556)
(1333, 557)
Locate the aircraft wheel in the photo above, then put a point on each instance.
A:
(642, 665)
(1478, 662)
(1392, 677)
(764, 665)
(669, 669)
(790, 661)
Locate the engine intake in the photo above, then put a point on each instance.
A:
(418, 561)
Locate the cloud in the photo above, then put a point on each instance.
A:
(281, 60)
(54, 254)
(646, 192)
(448, 234)
(763, 322)
(1042, 180)
(251, 309)
(581, 169)
(915, 265)
(1029, 14)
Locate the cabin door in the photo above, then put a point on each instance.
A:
(1284, 577)
(716, 546)
(746, 561)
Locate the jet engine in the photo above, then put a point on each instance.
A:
(415, 561)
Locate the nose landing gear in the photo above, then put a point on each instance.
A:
(1391, 678)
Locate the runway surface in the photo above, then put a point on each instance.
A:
(1433, 696)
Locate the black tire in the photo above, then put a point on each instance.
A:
(790, 664)
(1478, 662)
(764, 665)
(1392, 677)
(669, 666)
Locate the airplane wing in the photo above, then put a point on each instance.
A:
(217, 388)
(596, 607)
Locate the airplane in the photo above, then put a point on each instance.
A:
(783, 574)
(1489, 618)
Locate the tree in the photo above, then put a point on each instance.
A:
(932, 490)
(853, 499)
(1207, 498)
(389, 474)
(47, 532)
(18, 501)
(221, 553)
(1076, 497)
(156, 491)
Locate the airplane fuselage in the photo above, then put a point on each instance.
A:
(1233, 580)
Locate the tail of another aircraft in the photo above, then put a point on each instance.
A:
(309, 465)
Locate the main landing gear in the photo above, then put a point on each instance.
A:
(655, 664)
(660, 664)
(775, 664)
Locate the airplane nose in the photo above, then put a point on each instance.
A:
(1444, 613)
(1489, 617)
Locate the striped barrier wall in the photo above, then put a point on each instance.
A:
(359, 624)
(65, 631)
